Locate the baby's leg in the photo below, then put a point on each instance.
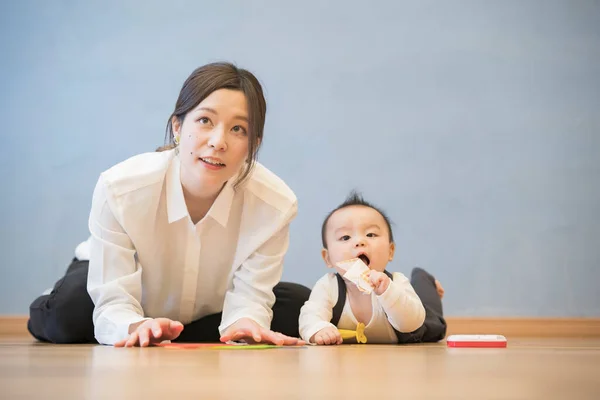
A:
(425, 287)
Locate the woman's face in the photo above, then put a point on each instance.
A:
(213, 139)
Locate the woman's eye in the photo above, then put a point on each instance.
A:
(239, 129)
(204, 120)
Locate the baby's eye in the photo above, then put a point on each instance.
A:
(371, 235)
(345, 238)
(239, 129)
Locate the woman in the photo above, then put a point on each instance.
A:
(189, 240)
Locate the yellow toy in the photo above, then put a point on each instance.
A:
(359, 333)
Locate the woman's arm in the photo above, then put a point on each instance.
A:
(252, 293)
(115, 275)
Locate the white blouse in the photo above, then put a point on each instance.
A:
(148, 260)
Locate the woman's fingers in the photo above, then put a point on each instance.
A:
(273, 337)
(144, 336)
(157, 330)
(252, 332)
(152, 331)
(235, 335)
(280, 339)
(291, 341)
(133, 340)
(242, 328)
(256, 333)
(175, 329)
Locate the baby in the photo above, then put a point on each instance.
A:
(358, 243)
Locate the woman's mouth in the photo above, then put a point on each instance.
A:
(212, 163)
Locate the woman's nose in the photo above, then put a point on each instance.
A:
(217, 139)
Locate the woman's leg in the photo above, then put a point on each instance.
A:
(290, 297)
(64, 315)
(203, 330)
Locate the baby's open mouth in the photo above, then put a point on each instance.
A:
(364, 259)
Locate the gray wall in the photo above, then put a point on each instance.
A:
(473, 123)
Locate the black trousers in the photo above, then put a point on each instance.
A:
(65, 315)
(435, 326)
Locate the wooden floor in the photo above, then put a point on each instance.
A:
(527, 369)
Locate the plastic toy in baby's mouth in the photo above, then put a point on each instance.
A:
(358, 334)
(357, 272)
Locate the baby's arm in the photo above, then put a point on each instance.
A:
(316, 313)
(402, 305)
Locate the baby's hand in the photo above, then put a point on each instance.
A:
(380, 281)
(329, 335)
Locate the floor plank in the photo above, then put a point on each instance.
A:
(527, 369)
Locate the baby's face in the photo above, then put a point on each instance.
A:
(358, 232)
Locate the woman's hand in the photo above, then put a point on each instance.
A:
(251, 332)
(152, 331)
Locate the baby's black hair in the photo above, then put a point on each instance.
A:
(355, 199)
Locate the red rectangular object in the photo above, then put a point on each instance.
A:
(476, 341)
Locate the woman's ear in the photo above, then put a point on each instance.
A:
(176, 128)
